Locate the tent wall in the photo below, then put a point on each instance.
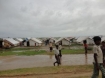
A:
(65, 42)
(1, 44)
(89, 41)
(32, 43)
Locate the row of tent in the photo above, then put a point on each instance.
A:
(11, 42)
(8, 42)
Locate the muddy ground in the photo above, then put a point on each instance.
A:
(15, 62)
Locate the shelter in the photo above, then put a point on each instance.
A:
(33, 42)
(103, 38)
(88, 39)
(19, 39)
(10, 41)
(63, 41)
(1, 43)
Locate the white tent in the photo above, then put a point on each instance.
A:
(103, 39)
(81, 39)
(52, 40)
(11, 41)
(19, 39)
(64, 41)
(33, 42)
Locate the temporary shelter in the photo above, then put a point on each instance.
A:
(1, 42)
(88, 39)
(63, 41)
(33, 42)
(11, 41)
(19, 39)
(103, 38)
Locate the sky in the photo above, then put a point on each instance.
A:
(52, 18)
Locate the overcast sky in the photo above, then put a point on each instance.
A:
(51, 18)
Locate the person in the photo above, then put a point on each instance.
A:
(60, 48)
(56, 52)
(60, 53)
(98, 58)
(85, 46)
(50, 46)
(103, 51)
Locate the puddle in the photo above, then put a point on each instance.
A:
(15, 62)
(18, 51)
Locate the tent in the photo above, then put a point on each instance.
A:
(52, 40)
(33, 42)
(64, 41)
(88, 39)
(1, 43)
(103, 38)
(11, 41)
(19, 39)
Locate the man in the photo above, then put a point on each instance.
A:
(98, 58)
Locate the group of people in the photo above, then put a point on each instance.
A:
(99, 57)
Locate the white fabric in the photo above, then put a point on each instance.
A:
(11, 40)
(36, 40)
(56, 51)
(60, 47)
(98, 51)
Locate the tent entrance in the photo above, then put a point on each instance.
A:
(1, 44)
(28, 43)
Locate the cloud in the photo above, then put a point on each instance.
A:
(46, 18)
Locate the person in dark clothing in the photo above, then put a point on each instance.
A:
(85, 46)
(103, 50)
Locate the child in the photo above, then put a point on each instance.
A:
(51, 48)
(85, 46)
(60, 48)
(60, 54)
(98, 58)
(56, 52)
(103, 50)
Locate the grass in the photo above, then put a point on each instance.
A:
(31, 51)
(27, 53)
(48, 70)
(72, 51)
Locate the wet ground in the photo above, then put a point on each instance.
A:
(14, 62)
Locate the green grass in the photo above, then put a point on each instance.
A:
(48, 70)
(74, 51)
(32, 51)
(27, 53)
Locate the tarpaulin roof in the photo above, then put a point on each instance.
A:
(11, 40)
(36, 40)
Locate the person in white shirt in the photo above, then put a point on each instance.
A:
(60, 48)
(56, 52)
(60, 53)
(98, 58)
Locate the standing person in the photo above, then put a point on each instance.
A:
(85, 46)
(60, 53)
(51, 46)
(98, 58)
(103, 51)
(56, 52)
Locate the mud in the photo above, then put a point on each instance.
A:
(15, 62)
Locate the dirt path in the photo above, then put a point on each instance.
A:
(53, 75)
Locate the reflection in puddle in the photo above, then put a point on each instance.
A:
(18, 51)
(86, 59)
(51, 56)
(15, 62)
